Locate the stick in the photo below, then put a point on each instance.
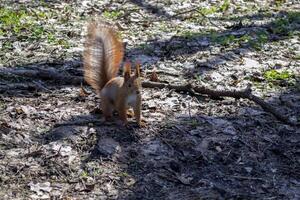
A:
(245, 93)
(248, 178)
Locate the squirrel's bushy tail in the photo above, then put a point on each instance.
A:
(103, 54)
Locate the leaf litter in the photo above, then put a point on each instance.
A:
(55, 144)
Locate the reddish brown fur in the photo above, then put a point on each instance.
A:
(102, 57)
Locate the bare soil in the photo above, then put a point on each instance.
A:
(54, 143)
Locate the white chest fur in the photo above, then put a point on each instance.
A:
(131, 100)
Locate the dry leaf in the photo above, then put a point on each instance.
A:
(154, 76)
(83, 92)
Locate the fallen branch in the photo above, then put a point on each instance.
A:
(245, 93)
(248, 178)
(163, 73)
(199, 89)
(65, 78)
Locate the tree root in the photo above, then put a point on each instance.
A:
(45, 74)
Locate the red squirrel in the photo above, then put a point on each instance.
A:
(102, 57)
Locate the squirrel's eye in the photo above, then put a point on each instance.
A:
(129, 85)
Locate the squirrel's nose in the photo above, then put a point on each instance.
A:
(137, 92)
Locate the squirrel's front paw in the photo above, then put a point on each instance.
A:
(142, 124)
(108, 118)
(123, 123)
(130, 114)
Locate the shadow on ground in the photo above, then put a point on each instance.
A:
(240, 39)
(188, 157)
(234, 152)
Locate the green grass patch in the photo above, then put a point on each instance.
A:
(113, 15)
(225, 40)
(193, 123)
(205, 11)
(286, 25)
(254, 40)
(280, 26)
(11, 20)
(163, 27)
(27, 25)
(7, 45)
(293, 17)
(188, 34)
(296, 57)
(2, 105)
(214, 9)
(124, 174)
(280, 78)
(84, 174)
(225, 6)
(279, 3)
(229, 40)
(258, 40)
(274, 75)
(208, 11)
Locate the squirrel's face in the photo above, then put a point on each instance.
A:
(132, 83)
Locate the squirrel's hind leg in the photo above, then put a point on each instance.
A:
(122, 111)
(107, 108)
(137, 112)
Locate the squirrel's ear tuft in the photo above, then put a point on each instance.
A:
(127, 70)
(137, 68)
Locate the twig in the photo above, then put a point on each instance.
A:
(96, 122)
(163, 72)
(77, 123)
(204, 16)
(248, 178)
(19, 170)
(197, 10)
(54, 155)
(40, 85)
(181, 13)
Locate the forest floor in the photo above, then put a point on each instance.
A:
(55, 144)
